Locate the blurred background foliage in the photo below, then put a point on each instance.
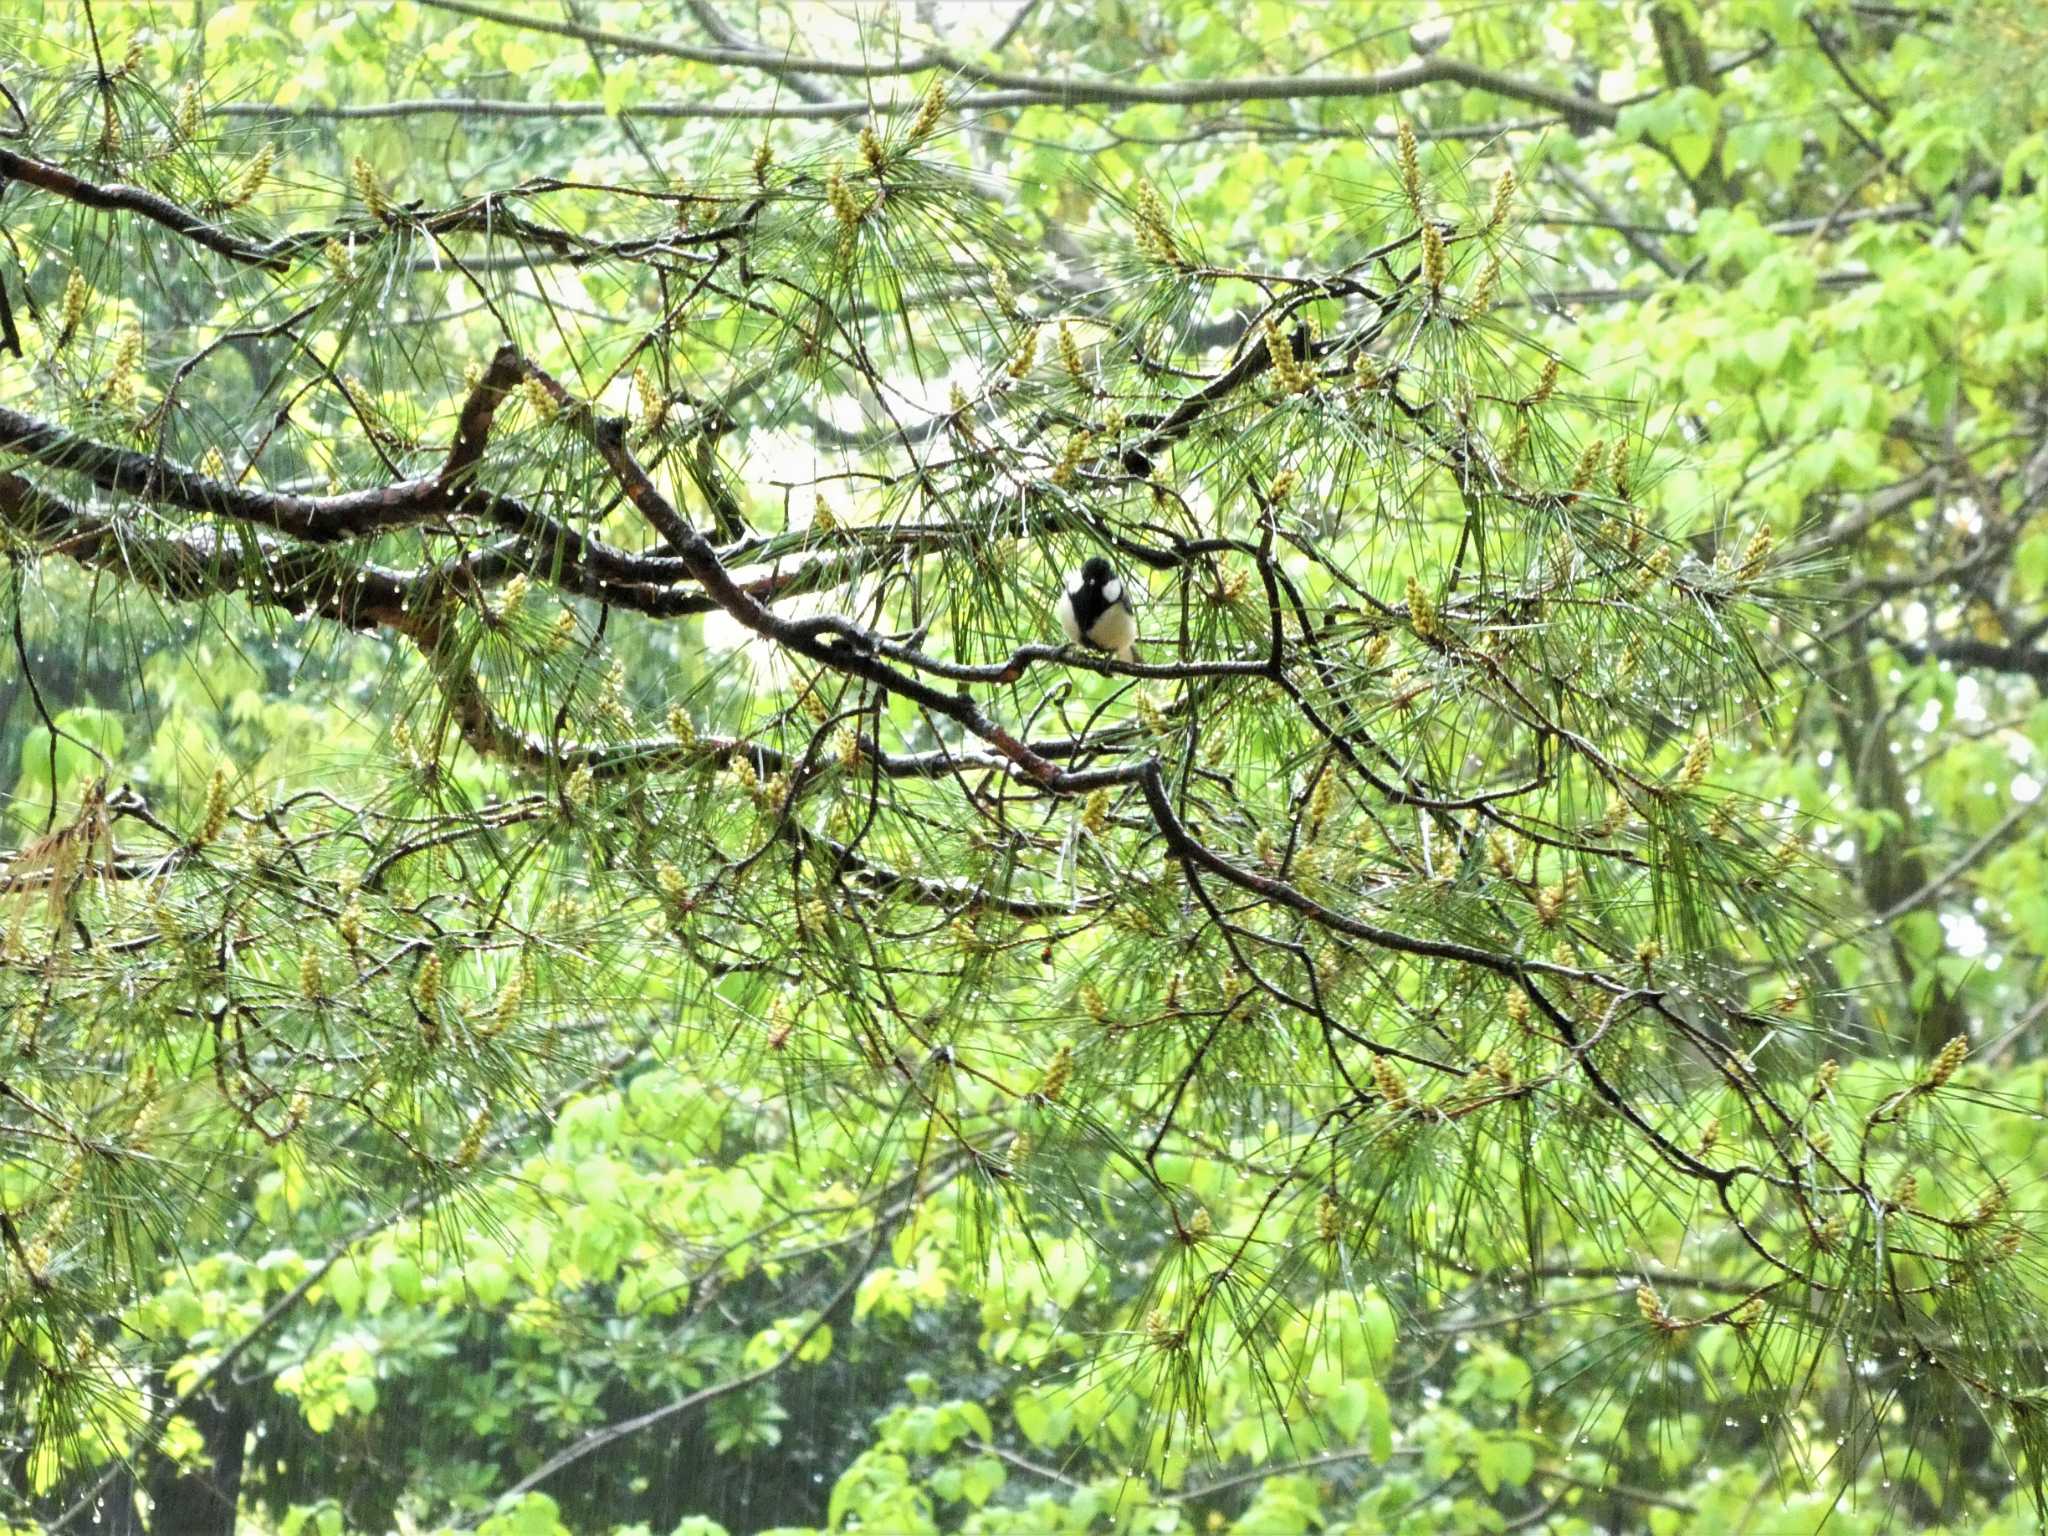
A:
(566, 1161)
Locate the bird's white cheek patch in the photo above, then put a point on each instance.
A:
(1112, 590)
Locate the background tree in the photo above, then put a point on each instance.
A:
(571, 919)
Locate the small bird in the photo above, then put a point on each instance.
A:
(1095, 610)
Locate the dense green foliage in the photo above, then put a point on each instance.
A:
(575, 955)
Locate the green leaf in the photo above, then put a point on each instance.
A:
(1692, 151)
(1379, 1423)
(1767, 348)
(981, 1478)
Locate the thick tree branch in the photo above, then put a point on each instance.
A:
(275, 254)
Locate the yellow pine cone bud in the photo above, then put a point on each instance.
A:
(929, 112)
(1410, 161)
(1093, 1003)
(370, 189)
(1323, 799)
(1329, 1220)
(764, 156)
(1517, 1008)
(1547, 384)
(1095, 814)
(538, 400)
(1699, 756)
(472, 1146)
(846, 208)
(1483, 290)
(312, 985)
(962, 419)
(1436, 260)
(681, 726)
(191, 115)
(1071, 455)
(1057, 1074)
(1026, 356)
(674, 888)
(1070, 354)
(511, 998)
(1756, 554)
(1992, 1203)
(350, 924)
(253, 176)
(871, 149)
(426, 986)
(217, 805)
(1650, 1308)
(1500, 853)
(1503, 199)
(1422, 614)
(1501, 1067)
(1518, 445)
(513, 598)
(1200, 1225)
(1944, 1065)
(1907, 1193)
(1588, 466)
(127, 357)
(1710, 1135)
(1293, 377)
(1155, 234)
(1618, 468)
(1387, 1078)
(1004, 295)
(77, 297)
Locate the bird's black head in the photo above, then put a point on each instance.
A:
(1097, 572)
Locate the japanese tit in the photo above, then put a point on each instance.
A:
(1095, 610)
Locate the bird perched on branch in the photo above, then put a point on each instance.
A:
(1095, 610)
